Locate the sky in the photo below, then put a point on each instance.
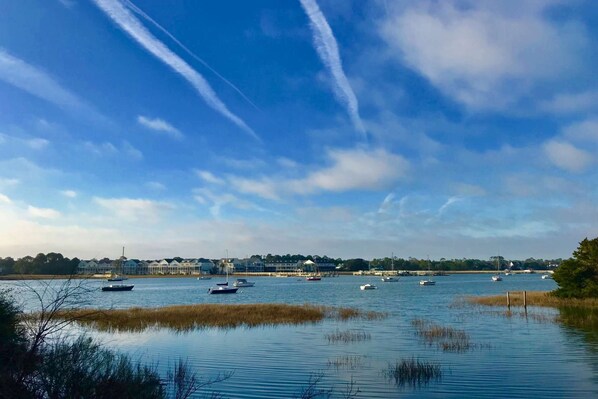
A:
(353, 129)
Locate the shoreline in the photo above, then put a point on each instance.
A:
(415, 273)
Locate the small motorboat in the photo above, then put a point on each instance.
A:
(313, 278)
(368, 286)
(222, 290)
(223, 284)
(204, 278)
(496, 277)
(390, 279)
(427, 282)
(118, 287)
(117, 277)
(241, 282)
(546, 277)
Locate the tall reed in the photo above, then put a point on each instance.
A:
(413, 372)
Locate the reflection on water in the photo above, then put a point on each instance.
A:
(516, 357)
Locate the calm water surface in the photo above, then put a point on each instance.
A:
(514, 357)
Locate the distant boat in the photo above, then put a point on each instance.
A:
(118, 287)
(427, 282)
(546, 277)
(390, 279)
(117, 277)
(204, 278)
(368, 286)
(313, 278)
(222, 290)
(118, 274)
(241, 282)
(497, 276)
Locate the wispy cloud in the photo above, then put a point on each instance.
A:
(43, 213)
(108, 149)
(119, 13)
(38, 83)
(134, 208)
(566, 156)
(154, 185)
(348, 170)
(327, 49)
(487, 55)
(186, 49)
(69, 193)
(161, 126)
(208, 177)
(4, 199)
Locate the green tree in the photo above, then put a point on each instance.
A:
(578, 277)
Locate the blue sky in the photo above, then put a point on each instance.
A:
(349, 129)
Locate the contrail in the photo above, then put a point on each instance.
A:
(327, 49)
(191, 53)
(118, 12)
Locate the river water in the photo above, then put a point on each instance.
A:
(511, 357)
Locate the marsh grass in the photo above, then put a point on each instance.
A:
(348, 336)
(413, 372)
(535, 298)
(448, 339)
(574, 312)
(348, 362)
(190, 317)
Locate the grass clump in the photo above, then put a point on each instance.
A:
(189, 317)
(535, 298)
(448, 339)
(413, 372)
(348, 336)
(349, 362)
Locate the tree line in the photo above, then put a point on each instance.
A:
(55, 263)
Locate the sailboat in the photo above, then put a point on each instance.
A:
(223, 288)
(497, 276)
(391, 279)
(115, 277)
(427, 281)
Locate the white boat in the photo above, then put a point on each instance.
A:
(496, 277)
(390, 279)
(368, 286)
(546, 277)
(427, 282)
(241, 282)
(117, 277)
(204, 278)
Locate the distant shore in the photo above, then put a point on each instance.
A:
(415, 273)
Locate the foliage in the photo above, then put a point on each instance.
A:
(578, 277)
(39, 361)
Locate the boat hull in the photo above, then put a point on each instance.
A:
(118, 287)
(222, 290)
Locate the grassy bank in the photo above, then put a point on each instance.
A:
(535, 298)
(187, 317)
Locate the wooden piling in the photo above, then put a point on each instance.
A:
(525, 299)
(508, 299)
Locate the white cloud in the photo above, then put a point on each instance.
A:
(486, 55)
(161, 126)
(585, 131)
(37, 143)
(264, 187)
(26, 77)
(131, 151)
(327, 49)
(105, 148)
(134, 209)
(354, 169)
(4, 199)
(571, 103)
(133, 27)
(69, 193)
(5, 182)
(208, 177)
(566, 156)
(43, 213)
